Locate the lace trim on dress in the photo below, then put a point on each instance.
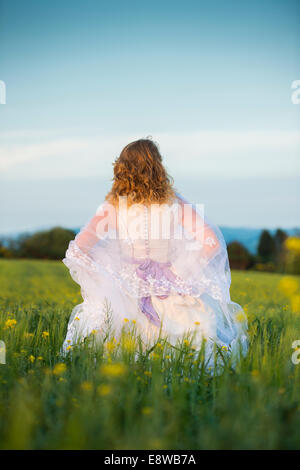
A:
(129, 281)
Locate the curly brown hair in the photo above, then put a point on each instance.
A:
(140, 175)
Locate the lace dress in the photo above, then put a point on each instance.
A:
(168, 274)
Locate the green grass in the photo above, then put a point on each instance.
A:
(148, 401)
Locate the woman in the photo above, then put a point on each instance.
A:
(150, 259)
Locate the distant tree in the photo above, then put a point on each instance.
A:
(4, 251)
(266, 247)
(239, 256)
(292, 255)
(15, 244)
(50, 244)
(279, 239)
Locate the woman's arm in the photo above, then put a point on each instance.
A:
(194, 224)
(104, 220)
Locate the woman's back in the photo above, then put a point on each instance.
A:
(149, 230)
(155, 259)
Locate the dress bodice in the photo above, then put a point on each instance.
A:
(148, 234)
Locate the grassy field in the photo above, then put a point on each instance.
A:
(110, 398)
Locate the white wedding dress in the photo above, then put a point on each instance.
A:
(168, 282)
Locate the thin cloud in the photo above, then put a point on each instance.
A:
(209, 152)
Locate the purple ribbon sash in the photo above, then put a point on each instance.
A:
(158, 271)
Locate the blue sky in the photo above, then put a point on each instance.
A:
(209, 81)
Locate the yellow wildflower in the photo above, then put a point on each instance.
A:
(288, 285)
(129, 344)
(104, 390)
(59, 369)
(293, 244)
(45, 334)
(10, 323)
(154, 355)
(31, 359)
(28, 335)
(113, 370)
(86, 386)
(295, 303)
(110, 345)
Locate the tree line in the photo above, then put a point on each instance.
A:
(48, 244)
(275, 253)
